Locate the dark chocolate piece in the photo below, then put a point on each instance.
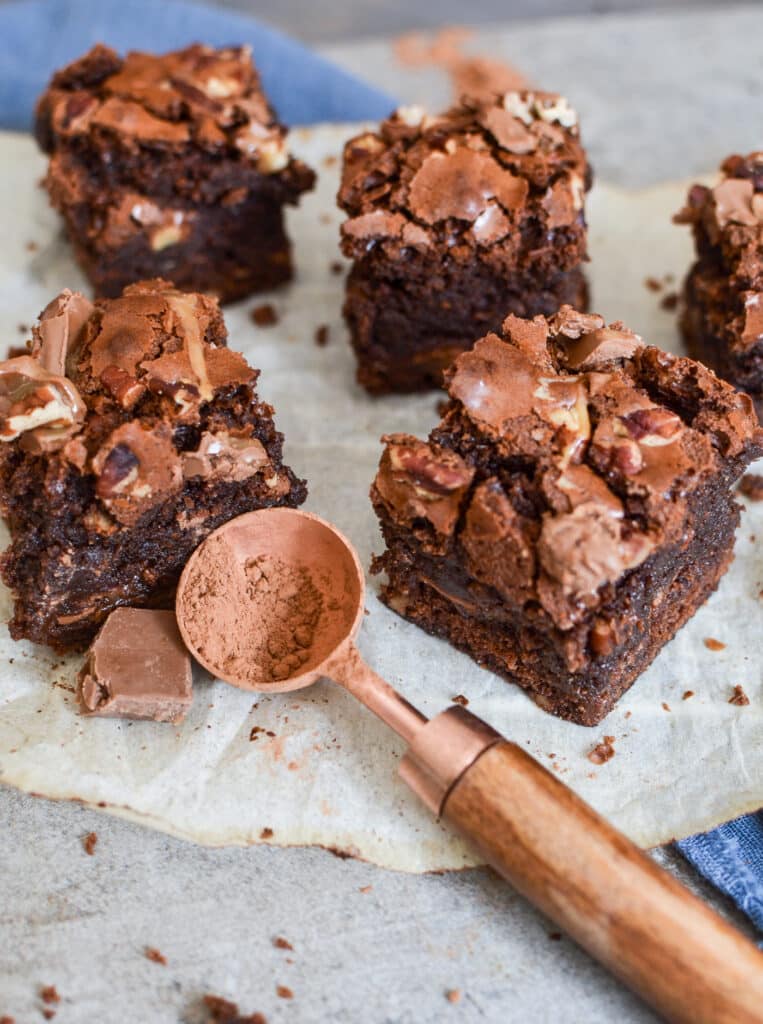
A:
(572, 509)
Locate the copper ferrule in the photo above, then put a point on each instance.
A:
(441, 752)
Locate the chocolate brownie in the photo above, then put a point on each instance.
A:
(131, 432)
(571, 510)
(722, 316)
(170, 166)
(454, 222)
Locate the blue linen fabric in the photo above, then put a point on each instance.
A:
(39, 36)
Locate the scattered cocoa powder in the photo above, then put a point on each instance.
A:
(322, 336)
(739, 697)
(32, 246)
(155, 956)
(665, 707)
(336, 268)
(284, 992)
(669, 302)
(471, 75)
(223, 1011)
(365, 888)
(713, 645)
(687, 694)
(460, 699)
(48, 1014)
(89, 843)
(265, 315)
(49, 994)
(653, 284)
(281, 943)
(453, 995)
(751, 486)
(330, 160)
(603, 751)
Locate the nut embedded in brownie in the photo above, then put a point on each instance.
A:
(170, 166)
(722, 318)
(454, 222)
(572, 509)
(131, 432)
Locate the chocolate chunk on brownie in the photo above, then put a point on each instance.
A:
(454, 222)
(137, 667)
(170, 166)
(130, 433)
(572, 509)
(722, 316)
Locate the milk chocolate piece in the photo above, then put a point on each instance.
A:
(572, 509)
(172, 166)
(137, 667)
(722, 314)
(454, 221)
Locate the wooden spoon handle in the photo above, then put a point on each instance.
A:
(605, 892)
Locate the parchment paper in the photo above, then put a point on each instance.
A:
(328, 774)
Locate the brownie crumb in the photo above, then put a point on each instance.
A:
(330, 160)
(555, 936)
(49, 994)
(713, 645)
(653, 284)
(223, 1011)
(687, 694)
(453, 995)
(669, 302)
(155, 956)
(89, 843)
(267, 833)
(32, 247)
(322, 336)
(665, 707)
(280, 943)
(265, 315)
(365, 888)
(751, 486)
(460, 699)
(48, 1014)
(284, 992)
(336, 268)
(739, 697)
(603, 751)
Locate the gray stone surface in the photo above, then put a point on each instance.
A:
(662, 96)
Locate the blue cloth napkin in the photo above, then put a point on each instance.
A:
(39, 36)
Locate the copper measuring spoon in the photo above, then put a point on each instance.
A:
(549, 844)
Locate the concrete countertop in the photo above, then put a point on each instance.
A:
(662, 95)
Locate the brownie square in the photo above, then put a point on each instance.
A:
(170, 166)
(571, 510)
(722, 315)
(455, 221)
(129, 433)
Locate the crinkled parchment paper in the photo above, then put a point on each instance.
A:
(327, 774)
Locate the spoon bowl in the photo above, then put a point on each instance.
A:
(293, 538)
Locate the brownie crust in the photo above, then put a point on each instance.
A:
(170, 166)
(722, 314)
(572, 509)
(131, 432)
(454, 221)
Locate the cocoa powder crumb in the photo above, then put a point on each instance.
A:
(751, 486)
(603, 751)
(653, 284)
(665, 707)
(48, 1014)
(669, 302)
(687, 694)
(155, 956)
(713, 645)
(49, 994)
(739, 697)
(280, 943)
(322, 336)
(89, 843)
(223, 1011)
(284, 992)
(267, 833)
(453, 995)
(365, 888)
(460, 699)
(336, 268)
(265, 315)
